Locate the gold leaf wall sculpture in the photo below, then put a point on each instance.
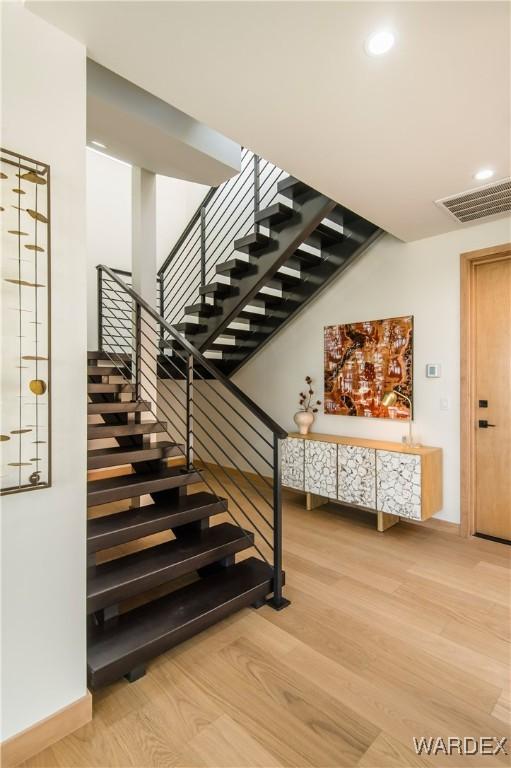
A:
(25, 452)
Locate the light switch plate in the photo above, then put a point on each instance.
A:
(433, 370)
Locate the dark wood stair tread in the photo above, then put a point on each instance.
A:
(118, 407)
(105, 370)
(128, 486)
(137, 522)
(219, 289)
(99, 458)
(116, 388)
(292, 187)
(236, 268)
(119, 579)
(252, 243)
(202, 308)
(101, 431)
(275, 214)
(107, 356)
(134, 638)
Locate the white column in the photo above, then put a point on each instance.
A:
(143, 266)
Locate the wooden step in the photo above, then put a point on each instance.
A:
(114, 388)
(129, 486)
(203, 309)
(219, 290)
(275, 214)
(114, 457)
(137, 522)
(104, 370)
(101, 431)
(136, 637)
(252, 243)
(190, 328)
(107, 357)
(236, 268)
(127, 407)
(117, 580)
(292, 187)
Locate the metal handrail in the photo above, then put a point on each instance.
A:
(226, 213)
(263, 417)
(195, 217)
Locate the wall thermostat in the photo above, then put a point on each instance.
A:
(433, 370)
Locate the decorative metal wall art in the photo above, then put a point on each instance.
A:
(25, 439)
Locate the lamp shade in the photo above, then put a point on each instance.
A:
(389, 399)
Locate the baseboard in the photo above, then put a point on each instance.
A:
(46, 732)
(445, 526)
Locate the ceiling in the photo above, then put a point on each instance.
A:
(137, 127)
(385, 136)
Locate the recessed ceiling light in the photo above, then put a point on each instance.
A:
(379, 43)
(98, 144)
(483, 174)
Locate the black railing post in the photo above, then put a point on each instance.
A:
(162, 307)
(189, 412)
(100, 309)
(278, 601)
(203, 245)
(138, 351)
(256, 190)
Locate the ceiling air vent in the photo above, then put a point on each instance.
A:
(490, 200)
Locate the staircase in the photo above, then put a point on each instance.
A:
(167, 557)
(250, 260)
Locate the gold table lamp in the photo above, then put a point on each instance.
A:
(390, 398)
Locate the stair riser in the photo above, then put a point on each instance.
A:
(112, 388)
(155, 579)
(124, 534)
(140, 489)
(122, 666)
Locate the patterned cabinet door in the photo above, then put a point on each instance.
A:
(321, 468)
(398, 484)
(293, 452)
(356, 475)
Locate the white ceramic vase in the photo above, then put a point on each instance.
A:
(303, 420)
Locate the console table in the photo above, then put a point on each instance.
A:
(393, 479)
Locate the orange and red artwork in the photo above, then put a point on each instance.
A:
(365, 360)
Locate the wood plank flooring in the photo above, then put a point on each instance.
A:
(389, 636)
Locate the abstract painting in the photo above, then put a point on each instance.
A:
(365, 360)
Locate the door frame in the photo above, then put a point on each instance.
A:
(468, 263)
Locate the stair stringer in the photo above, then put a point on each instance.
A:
(269, 260)
(354, 251)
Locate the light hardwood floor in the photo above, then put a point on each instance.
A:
(389, 636)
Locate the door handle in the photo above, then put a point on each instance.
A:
(483, 424)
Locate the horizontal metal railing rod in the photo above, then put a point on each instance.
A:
(232, 388)
(189, 226)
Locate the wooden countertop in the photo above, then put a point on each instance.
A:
(360, 442)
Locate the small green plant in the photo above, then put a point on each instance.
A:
(306, 403)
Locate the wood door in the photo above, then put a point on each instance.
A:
(492, 390)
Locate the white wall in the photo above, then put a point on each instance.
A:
(109, 220)
(176, 202)
(419, 278)
(44, 532)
